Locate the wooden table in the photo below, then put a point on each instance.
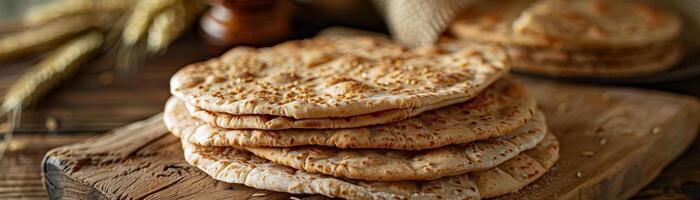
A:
(98, 100)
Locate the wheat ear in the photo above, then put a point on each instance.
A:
(141, 17)
(59, 64)
(42, 37)
(43, 14)
(171, 23)
(48, 73)
(12, 121)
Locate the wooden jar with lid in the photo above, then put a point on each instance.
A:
(245, 22)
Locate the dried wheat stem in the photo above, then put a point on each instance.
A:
(171, 23)
(13, 118)
(42, 37)
(59, 64)
(43, 14)
(141, 17)
(45, 75)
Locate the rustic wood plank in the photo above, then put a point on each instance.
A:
(681, 180)
(643, 130)
(21, 177)
(148, 165)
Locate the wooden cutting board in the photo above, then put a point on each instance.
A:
(613, 142)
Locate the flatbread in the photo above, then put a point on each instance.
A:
(240, 167)
(490, 22)
(400, 165)
(272, 122)
(585, 62)
(335, 77)
(554, 55)
(551, 55)
(567, 24)
(600, 23)
(632, 67)
(497, 111)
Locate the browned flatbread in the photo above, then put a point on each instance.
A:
(237, 166)
(585, 62)
(599, 23)
(566, 24)
(399, 165)
(631, 67)
(335, 77)
(272, 122)
(584, 56)
(499, 110)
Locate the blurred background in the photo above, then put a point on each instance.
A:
(13, 8)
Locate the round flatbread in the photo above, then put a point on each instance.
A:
(272, 122)
(550, 55)
(584, 62)
(599, 23)
(620, 68)
(241, 167)
(498, 110)
(567, 24)
(335, 77)
(400, 165)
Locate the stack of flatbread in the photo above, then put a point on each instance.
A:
(576, 38)
(361, 118)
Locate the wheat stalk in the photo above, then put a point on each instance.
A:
(42, 37)
(33, 84)
(40, 15)
(171, 23)
(47, 73)
(141, 17)
(8, 128)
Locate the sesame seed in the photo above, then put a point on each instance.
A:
(587, 153)
(656, 130)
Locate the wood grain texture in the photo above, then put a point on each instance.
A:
(20, 177)
(643, 132)
(680, 180)
(149, 165)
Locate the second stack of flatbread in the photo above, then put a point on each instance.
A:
(576, 38)
(361, 118)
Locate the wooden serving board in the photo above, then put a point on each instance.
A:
(613, 142)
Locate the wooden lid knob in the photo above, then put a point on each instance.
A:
(245, 22)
